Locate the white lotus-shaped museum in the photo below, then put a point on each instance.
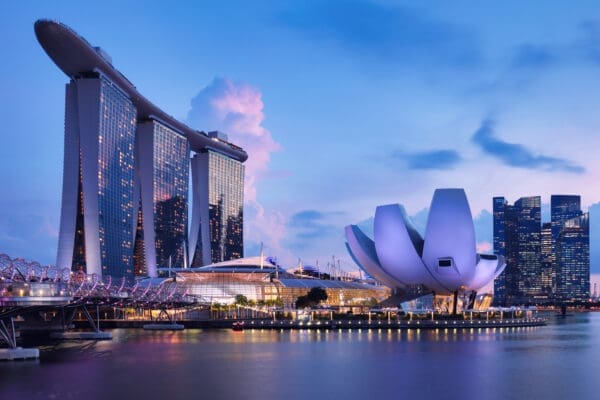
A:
(445, 261)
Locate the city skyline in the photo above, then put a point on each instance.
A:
(489, 115)
(546, 260)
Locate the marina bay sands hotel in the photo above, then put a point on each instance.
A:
(126, 172)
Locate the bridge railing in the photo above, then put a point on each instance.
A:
(21, 279)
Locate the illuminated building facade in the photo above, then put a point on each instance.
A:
(96, 227)
(517, 232)
(570, 247)
(267, 282)
(573, 259)
(125, 179)
(548, 277)
(544, 262)
(162, 170)
(217, 224)
(499, 205)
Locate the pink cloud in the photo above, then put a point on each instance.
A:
(237, 109)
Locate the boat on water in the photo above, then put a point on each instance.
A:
(238, 326)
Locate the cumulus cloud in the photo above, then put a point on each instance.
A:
(517, 155)
(237, 109)
(484, 227)
(434, 159)
(266, 227)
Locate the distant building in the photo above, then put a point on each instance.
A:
(547, 275)
(544, 263)
(565, 208)
(573, 259)
(499, 206)
(517, 232)
(562, 208)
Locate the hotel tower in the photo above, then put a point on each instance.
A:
(126, 174)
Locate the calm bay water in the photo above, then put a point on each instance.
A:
(558, 361)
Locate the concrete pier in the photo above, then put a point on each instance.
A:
(19, 353)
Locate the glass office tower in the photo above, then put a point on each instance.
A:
(499, 205)
(163, 165)
(562, 209)
(548, 278)
(529, 225)
(517, 236)
(217, 219)
(573, 259)
(97, 215)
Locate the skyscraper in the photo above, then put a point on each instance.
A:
(573, 260)
(162, 170)
(547, 275)
(217, 181)
(517, 233)
(499, 207)
(125, 179)
(96, 227)
(562, 209)
(529, 225)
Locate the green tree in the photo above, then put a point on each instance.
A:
(302, 302)
(241, 300)
(317, 295)
(312, 298)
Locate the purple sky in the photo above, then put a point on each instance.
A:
(342, 106)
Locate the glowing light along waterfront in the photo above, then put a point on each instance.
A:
(553, 362)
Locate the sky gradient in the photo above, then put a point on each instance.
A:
(342, 106)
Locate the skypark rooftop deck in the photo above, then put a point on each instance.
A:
(76, 57)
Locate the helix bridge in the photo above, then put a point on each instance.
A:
(46, 298)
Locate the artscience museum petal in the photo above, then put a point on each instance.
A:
(444, 262)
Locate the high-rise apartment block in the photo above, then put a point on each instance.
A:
(126, 174)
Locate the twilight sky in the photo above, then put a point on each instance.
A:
(342, 106)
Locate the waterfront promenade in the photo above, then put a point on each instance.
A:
(359, 322)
